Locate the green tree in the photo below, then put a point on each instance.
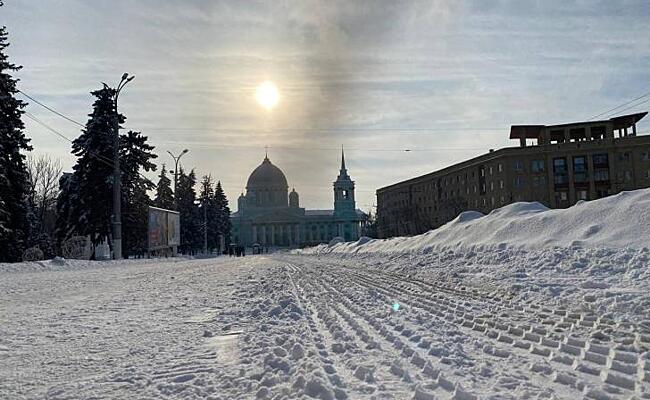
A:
(13, 172)
(164, 195)
(191, 238)
(223, 213)
(135, 155)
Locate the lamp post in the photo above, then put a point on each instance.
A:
(117, 174)
(176, 159)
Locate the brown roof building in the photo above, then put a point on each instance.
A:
(556, 165)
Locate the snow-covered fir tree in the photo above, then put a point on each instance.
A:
(208, 200)
(164, 195)
(191, 234)
(13, 172)
(223, 212)
(91, 213)
(135, 156)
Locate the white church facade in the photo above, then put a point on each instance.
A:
(269, 216)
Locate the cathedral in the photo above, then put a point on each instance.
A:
(269, 216)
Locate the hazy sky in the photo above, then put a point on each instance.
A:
(443, 78)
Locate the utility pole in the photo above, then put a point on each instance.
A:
(205, 228)
(203, 204)
(117, 173)
(176, 159)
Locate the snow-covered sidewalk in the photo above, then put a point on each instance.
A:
(300, 326)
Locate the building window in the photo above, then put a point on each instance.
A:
(491, 170)
(538, 166)
(503, 200)
(560, 173)
(647, 174)
(601, 175)
(646, 156)
(500, 167)
(492, 200)
(561, 197)
(600, 159)
(539, 180)
(519, 166)
(580, 169)
(501, 184)
(491, 186)
(625, 156)
(582, 195)
(628, 176)
(519, 182)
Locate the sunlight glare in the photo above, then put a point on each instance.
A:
(267, 95)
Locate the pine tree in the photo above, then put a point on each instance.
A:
(91, 214)
(223, 213)
(13, 172)
(209, 201)
(189, 218)
(164, 194)
(66, 204)
(135, 155)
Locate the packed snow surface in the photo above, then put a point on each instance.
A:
(286, 326)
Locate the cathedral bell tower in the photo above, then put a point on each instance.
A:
(344, 203)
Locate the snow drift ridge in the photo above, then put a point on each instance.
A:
(622, 220)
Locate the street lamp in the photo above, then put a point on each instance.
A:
(117, 175)
(176, 159)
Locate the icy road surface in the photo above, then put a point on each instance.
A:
(288, 326)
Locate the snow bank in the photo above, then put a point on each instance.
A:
(618, 221)
(61, 264)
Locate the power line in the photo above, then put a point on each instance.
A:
(622, 105)
(325, 130)
(287, 129)
(312, 148)
(99, 157)
(635, 105)
(51, 109)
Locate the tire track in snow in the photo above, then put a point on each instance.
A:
(565, 360)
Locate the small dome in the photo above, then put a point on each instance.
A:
(294, 199)
(267, 175)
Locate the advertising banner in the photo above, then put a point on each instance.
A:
(164, 228)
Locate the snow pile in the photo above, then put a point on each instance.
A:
(618, 221)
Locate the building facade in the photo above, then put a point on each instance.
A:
(269, 216)
(555, 165)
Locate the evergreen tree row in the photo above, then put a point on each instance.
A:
(207, 211)
(41, 207)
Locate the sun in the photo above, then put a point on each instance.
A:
(267, 95)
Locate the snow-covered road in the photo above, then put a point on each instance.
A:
(293, 326)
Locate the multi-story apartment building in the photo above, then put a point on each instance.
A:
(555, 165)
